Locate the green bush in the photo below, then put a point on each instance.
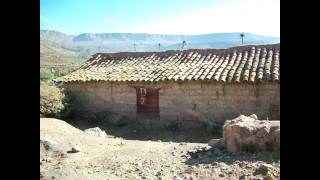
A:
(53, 102)
(64, 71)
(248, 147)
(45, 74)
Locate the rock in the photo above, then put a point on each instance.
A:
(192, 151)
(242, 177)
(214, 142)
(74, 150)
(249, 134)
(221, 175)
(269, 177)
(254, 116)
(184, 156)
(158, 174)
(46, 159)
(188, 177)
(46, 144)
(96, 132)
(207, 148)
(215, 164)
(264, 169)
(255, 178)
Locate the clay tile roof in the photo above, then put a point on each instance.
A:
(251, 63)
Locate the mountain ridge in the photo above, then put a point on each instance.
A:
(84, 45)
(152, 38)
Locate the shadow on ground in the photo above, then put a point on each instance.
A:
(130, 132)
(208, 155)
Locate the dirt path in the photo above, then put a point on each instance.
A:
(116, 158)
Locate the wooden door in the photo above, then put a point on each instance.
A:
(147, 100)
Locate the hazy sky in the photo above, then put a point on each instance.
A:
(161, 16)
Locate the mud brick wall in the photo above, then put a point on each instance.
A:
(101, 98)
(187, 103)
(214, 103)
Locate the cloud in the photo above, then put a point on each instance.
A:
(109, 19)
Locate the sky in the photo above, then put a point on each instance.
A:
(185, 17)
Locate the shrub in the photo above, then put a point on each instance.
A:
(53, 102)
(248, 147)
(61, 71)
(45, 74)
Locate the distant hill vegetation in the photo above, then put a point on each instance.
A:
(57, 47)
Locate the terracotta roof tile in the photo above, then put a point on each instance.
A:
(238, 64)
(241, 67)
(255, 65)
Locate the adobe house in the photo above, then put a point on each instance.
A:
(187, 88)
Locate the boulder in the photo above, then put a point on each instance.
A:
(47, 145)
(74, 150)
(96, 132)
(249, 134)
(254, 116)
(215, 142)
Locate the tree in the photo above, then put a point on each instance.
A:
(241, 36)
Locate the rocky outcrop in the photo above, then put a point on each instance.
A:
(250, 134)
(96, 132)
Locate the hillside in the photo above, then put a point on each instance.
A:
(57, 47)
(148, 42)
(167, 39)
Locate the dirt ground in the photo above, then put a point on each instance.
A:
(135, 154)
